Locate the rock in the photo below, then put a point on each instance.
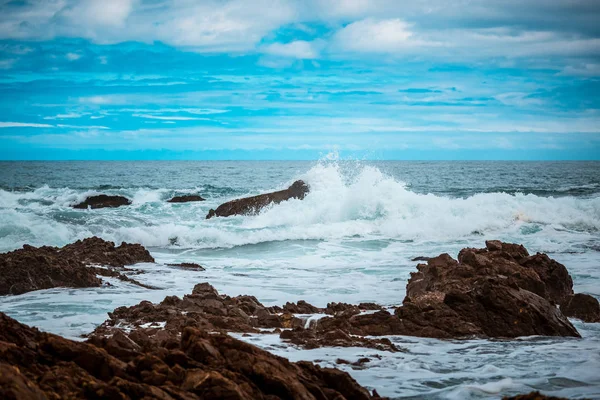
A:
(193, 365)
(98, 251)
(187, 265)
(35, 268)
(499, 291)
(253, 205)
(103, 201)
(421, 258)
(533, 396)
(206, 309)
(581, 306)
(185, 198)
(312, 339)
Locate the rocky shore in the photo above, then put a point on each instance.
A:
(74, 265)
(179, 348)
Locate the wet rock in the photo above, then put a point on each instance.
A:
(94, 250)
(581, 306)
(103, 201)
(187, 265)
(34, 268)
(421, 258)
(312, 339)
(498, 291)
(185, 198)
(302, 307)
(206, 309)
(253, 205)
(533, 396)
(195, 365)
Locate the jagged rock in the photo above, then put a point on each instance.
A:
(35, 268)
(95, 250)
(103, 201)
(252, 205)
(192, 365)
(185, 198)
(581, 306)
(499, 291)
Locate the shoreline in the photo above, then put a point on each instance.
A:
(304, 309)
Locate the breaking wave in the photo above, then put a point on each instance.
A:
(344, 203)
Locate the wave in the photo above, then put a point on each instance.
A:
(344, 203)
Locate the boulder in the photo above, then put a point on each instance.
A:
(34, 268)
(498, 291)
(253, 205)
(103, 201)
(581, 306)
(185, 198)
(192, 365)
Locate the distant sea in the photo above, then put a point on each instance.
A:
(351, 240)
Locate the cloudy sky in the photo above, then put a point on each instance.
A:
(287, 79)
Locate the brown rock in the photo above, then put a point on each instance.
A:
(187, 265)
(581, 306)
(499, 291)
(253, 205)
(37, 365)
(103, 201)
(35, 268)
(185, 198)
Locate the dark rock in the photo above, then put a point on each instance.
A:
(421, 258)
(191, 365)
(499, 291)
(312, 339)
(94, 250)
(103, 201)
(581, 306)
(35, 268)
(187, 265)
(533, 396)
(185, 198)
(253, 205)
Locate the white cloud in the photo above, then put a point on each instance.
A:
(171, 118)
(300, 49)
(64, 116)
(378, 36)
(586, 69)
(72, 56)
(23, 125)
(8, 63)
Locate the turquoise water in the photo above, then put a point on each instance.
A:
(351, 239)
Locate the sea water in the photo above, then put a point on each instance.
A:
(350, 240)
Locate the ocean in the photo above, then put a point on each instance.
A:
(350, 240)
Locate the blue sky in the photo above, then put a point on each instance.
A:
(285, 79)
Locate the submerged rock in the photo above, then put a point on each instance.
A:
(581, 306)
(191, 365)
(533, 396)
(188, 265)
(185, 198)
(103, 201)
(252, 205)
(34, 268)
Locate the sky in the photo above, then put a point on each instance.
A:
(293, 79)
